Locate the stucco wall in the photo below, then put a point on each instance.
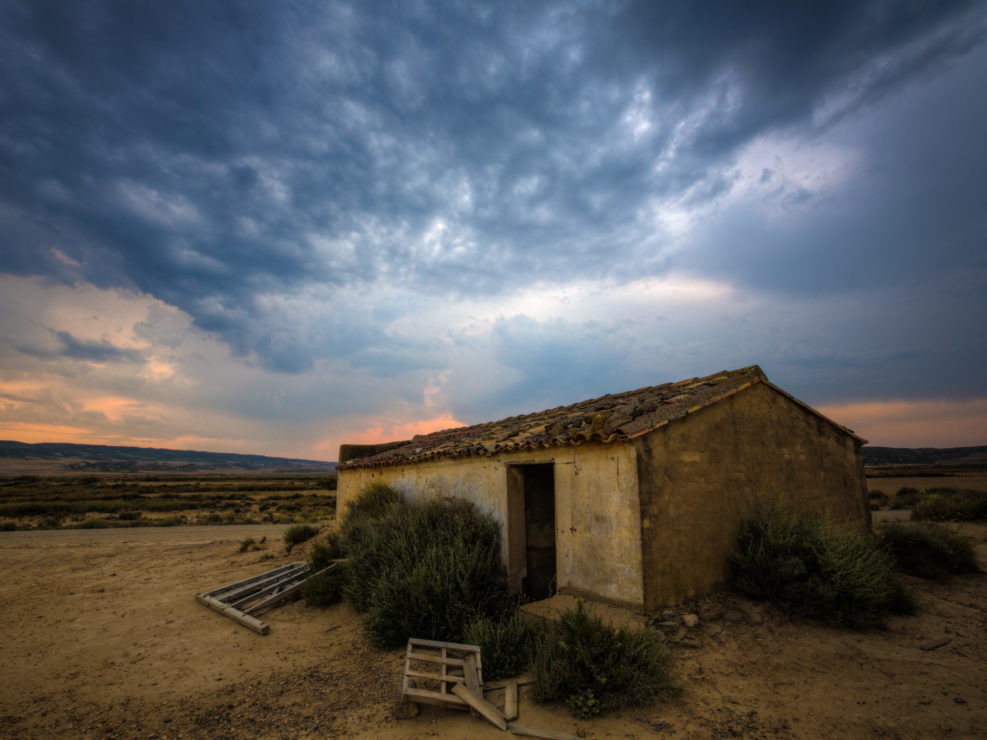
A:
(698, 474)
(597, 514)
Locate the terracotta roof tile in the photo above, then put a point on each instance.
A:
(610, 418)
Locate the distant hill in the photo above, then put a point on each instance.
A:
(925, 455)
(20, 457)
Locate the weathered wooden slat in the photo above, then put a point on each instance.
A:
(472, 679)
(434, 662)
(270, 588)
(440, 644)
(469, 674)
(423, 696)
(235, 614)
(487, 710)
(299, 575)
(273, 588)
(287, 593)
(247, 581)
(510, 700)
(421, 674)
(436, 659)
(275, 599)
(528, 731)
(257, 584)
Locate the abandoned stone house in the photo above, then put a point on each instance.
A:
(633, 498)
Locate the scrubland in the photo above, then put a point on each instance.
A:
(140, 500)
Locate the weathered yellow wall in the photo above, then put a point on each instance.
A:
(597, 514)
(698, 474)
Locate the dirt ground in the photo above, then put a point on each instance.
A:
(103, 638)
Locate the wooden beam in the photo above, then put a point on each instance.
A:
(485, 708)
(235, 614)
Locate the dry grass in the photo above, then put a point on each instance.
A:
(91, 501)
(975, 480)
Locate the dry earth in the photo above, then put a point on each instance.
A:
(103, 638)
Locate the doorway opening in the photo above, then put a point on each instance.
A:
(531, 529)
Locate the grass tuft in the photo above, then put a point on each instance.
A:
(505, 643)
(297, 534)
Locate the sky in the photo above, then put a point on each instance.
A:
(273, 227)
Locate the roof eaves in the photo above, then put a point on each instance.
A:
(815, 412)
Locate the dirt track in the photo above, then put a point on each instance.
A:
(103, 638)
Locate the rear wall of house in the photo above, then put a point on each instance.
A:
(697, 476)
(597, 514)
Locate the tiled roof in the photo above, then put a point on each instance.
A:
(610, 418)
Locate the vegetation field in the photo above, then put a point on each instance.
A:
(892, 479)
(108, 500)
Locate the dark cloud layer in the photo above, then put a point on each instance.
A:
(64, 346)
(269, 168)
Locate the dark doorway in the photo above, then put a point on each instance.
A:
(539, 529)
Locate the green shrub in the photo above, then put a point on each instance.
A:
(325, 587)
(928, 550)
(878, 500)
(321, 555)
(297, 534)
(952, 505)
(594, 668)
(810, 569)
(426, 570)
(584, 704)
(372, 504)
(906, 498)
(505, 643)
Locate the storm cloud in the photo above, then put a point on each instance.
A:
(480, 199)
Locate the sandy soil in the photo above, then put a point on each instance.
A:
(103, 638)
